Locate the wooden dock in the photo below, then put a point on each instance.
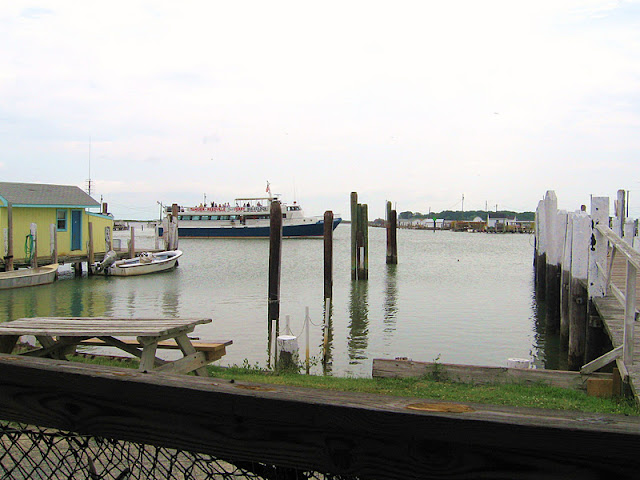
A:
(611, 311)
(587, 267)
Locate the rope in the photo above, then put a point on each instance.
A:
(28, 248)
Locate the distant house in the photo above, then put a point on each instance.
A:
(63, 208)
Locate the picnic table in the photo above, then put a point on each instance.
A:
(59, 336)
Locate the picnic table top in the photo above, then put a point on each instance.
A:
(99, 326)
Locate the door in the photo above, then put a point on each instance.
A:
(76, 229)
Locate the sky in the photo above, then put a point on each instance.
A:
(420, 103)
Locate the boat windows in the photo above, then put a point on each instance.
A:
(61, 217)
(184, 217)
(224, 217)
(195, 217)
(215, 217)
(205, 217)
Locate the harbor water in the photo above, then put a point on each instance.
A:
(464, 298)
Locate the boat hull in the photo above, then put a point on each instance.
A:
(28, 277)
(241, 231)
(134, 267)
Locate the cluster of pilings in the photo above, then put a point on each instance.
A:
(569, 255)
(359, 239)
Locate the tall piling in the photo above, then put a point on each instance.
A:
(556, 227)
(275, 257)
(392, 231)
(8, 259)
(359, 239)
(91, 252)
(354, 233)
(540, 257)
(328, 254)
(565, 283)
(578, 305)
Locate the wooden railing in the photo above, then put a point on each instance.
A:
(627, 298)
(360, 435)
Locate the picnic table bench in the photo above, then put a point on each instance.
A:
(60, 336)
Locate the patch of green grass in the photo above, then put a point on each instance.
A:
(533, 395)
(519, 395)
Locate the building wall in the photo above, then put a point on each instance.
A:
(43, 217)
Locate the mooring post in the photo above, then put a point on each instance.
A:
(540, 259)
(328, 254)
(108, 243)
(555, 236)
(354, 235)
(91, 254)
(306, 339)
(275, 256)
(365, 241)
(34, 234)
(392, 232)
(132, 243)
(578, 307)
(8, 259)
(565, 283)
(174, 236)
(325, 340)
(53, 234)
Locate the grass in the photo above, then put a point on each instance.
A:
(518, 395)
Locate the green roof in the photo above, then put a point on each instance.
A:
(39, 194)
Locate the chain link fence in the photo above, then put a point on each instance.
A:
(29, 452)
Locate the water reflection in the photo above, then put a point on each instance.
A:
(359, 322)
(390, 301)
(327, 338)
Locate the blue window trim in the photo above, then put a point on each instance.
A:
(66, 219)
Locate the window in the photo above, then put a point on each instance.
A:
(61, 220)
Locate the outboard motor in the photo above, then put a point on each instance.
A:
(108, 260)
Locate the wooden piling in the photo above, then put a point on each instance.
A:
(565, 282)
(8, 259)
(34, 257)
(557, 226)
(275, 257)
(328, 254)
(392, 231)
(132, 243)
(108, 241)
(326, 330)
(364, 226)
(540, 257)
(354, 234)
(91, 253)
(578, 306)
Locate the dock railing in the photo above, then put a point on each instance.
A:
(574, 258)
(616, 245)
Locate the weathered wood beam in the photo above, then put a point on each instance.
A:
(368, 436)
(602, 361)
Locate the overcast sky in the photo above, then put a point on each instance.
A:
(414, 102)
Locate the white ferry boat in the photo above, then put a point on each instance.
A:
(247, 217)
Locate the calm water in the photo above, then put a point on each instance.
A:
(465, 298)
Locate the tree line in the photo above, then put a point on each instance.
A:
(468, 215)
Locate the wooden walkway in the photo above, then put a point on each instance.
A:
(612, 314)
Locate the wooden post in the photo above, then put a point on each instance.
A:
(8, 259)
(365, 241)
(540, 259)
(565, 283)
(306, 339)
(77, 269)
(581, 240)
(132, 243)
(325, 342)
(108, 242)
(91, 253)
(392, 240)
(275, 256)
(629, 315)
(556, 232)
(621, 213)
(174, 226)
(598, 248)
(34, 233)
(328, 254)
(354, 235)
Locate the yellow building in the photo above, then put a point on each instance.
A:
(57, 211)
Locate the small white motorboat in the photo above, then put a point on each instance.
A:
(28, 277)
(147, 262)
